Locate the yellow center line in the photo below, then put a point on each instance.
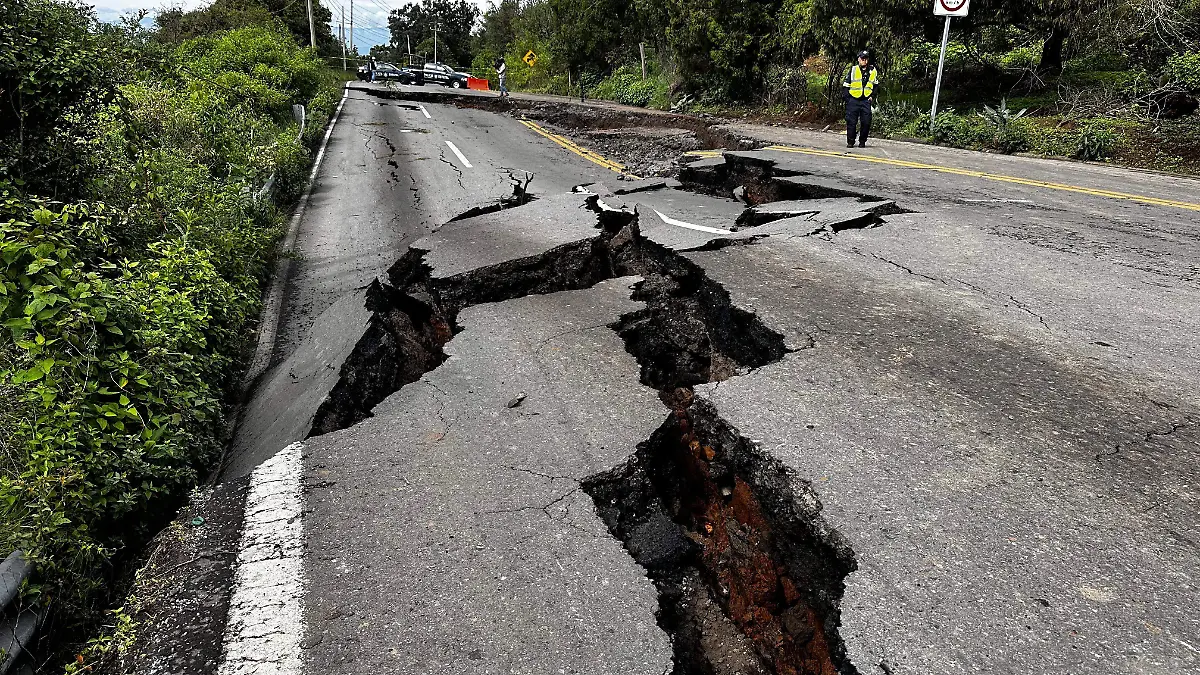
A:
(578, 150)
(1156, 201)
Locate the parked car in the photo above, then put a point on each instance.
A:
(440, 73)
(431, 73)
(387, 72)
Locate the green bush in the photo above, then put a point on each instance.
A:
(125, 308)
(1184, 70)
(1095, 142)
(959, 131)
(897, 118)
(627, 87)
(1011, 138)
(1048, 137)
(1020, 57)
(260, 67)
(292, 160)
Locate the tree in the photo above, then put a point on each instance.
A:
(176, 25)
(588, 32)
(721, 46)
(453, 19)
(499, 27)
(56, 71)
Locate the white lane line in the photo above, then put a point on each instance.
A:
(698, 228)
(268, 324)
(458, 152)
(266, 612)
(427, 115)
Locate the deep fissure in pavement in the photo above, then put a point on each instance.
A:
(749, 577)
(688, 326)
(402, 342)
(520, 197)
(759, 180)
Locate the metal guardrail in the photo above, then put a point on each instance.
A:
(17, 625)
(301, 115)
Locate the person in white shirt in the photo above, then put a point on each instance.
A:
(502, 74)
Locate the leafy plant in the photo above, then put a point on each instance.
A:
(627, 87)
(1184, 70)
(894, 117)
(125, 303)
(1095, 143)
(1001, 117)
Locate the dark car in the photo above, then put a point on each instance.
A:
(440, 73)
(386, 72)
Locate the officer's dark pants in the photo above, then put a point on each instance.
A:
(858, 119)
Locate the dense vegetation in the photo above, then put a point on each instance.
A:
(135, 240)
(1097, 78)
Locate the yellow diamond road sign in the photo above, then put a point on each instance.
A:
(530, 58)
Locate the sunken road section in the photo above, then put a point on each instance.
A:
(690, 333)
(749, 577)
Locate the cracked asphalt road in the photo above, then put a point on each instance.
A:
(993, 398)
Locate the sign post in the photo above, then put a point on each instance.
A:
(948, 9)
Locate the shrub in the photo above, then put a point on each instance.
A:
(1007, 134)
(1047, 137)
(1184, 70)
(260, 67)
(125, 308)
(627, 87)
(786, 86)
(1021, 58)
(1013, 137)
(896, 117)
(959, 131)
(292, 160)
(1095, 142)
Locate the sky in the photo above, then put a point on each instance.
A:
(370, 16)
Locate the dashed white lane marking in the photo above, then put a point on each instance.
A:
(698, 228)
(266, 612)
(458, 152)
(427, 115)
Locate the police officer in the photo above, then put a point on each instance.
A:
(861, 80)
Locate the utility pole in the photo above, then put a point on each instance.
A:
(352, 31)
(436, 26)
(642, 49)
(342, 37)
(312, 32)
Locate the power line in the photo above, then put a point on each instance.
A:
(386, 8)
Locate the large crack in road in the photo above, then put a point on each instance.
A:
(749, 576)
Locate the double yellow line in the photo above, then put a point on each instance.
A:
(1110, 194)
(1155, 201)
(577, 149)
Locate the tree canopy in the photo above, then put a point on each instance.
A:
(453, 20)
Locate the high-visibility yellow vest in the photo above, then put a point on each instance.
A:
(862, 86)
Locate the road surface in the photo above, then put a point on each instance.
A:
(910, 410)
